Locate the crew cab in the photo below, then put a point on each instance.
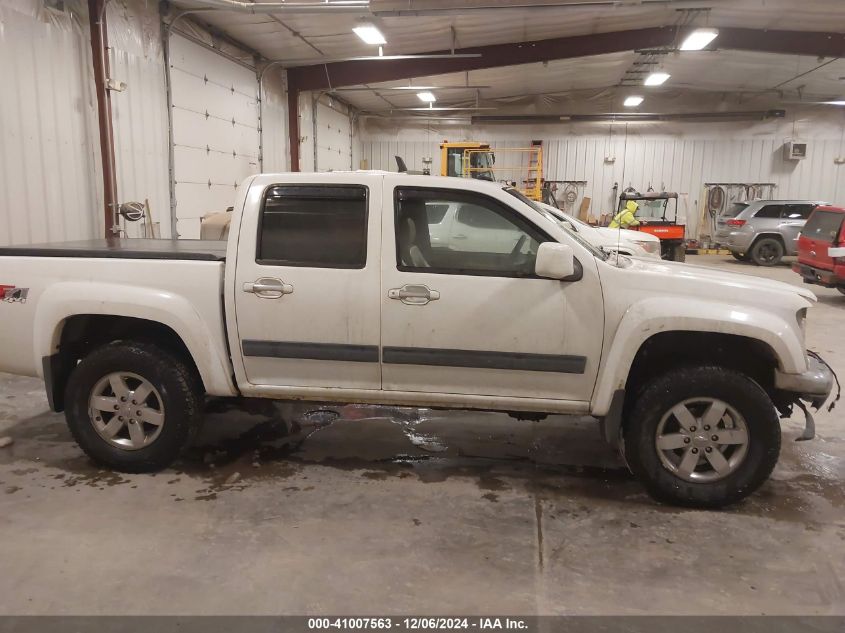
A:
(329, 288)
(821, 249)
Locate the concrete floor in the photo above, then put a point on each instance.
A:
(382, 511)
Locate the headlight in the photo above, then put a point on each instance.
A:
(648, 246)
(801, 317)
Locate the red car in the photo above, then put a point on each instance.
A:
(821, 249)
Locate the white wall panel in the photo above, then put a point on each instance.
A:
(49, 150)
(215, 130)
(678, 163)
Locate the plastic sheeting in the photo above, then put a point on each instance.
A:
(49, 156)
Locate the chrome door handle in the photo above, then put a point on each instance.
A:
(459, 237)
(414, 295)
(268, 288)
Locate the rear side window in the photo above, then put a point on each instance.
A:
(313, 225)
(798, 211)
(823, 225)
(734, 210)
(770, 211)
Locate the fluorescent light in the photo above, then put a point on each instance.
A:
(698, 39)
(839, 102)
(370, 34)
(656, 79)
(633, 101)
(427, 97)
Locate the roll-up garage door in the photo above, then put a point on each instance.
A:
(334, 137)
(215, 131)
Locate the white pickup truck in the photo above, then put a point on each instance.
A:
(330, 289)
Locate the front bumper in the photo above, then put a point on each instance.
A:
(813, 385)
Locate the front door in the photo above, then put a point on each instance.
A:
(307, 285)
(468, 315)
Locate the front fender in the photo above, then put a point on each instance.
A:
(646, 318)
(66, 299)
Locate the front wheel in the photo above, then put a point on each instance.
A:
(132, 407)
(702, 436)
(767, 252)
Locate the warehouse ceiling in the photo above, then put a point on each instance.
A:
(309, 33)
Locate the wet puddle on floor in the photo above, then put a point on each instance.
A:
(244, 442)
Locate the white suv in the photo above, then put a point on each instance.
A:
(471, 228)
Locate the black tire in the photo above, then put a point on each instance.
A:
(181, 404)
(659, 396)
(767, 251)
(740, 256)
(841, 289)
(680, 253)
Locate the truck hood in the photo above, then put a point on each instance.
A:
(737, 286)
(612, 235)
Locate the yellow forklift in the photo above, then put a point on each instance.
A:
(480, 160)
(472, 159)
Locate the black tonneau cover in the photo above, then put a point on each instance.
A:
(124, 248)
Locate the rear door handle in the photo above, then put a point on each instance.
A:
(413, 294)
(268, 288)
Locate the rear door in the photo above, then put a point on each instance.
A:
(819, 234)
(307, 282)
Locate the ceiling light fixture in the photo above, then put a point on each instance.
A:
(698, 39)
(427, 97)
(369, 34)
(633, 101)
(839, 102)
(656, 79)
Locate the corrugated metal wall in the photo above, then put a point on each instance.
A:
(676, 164)
(139, 114)
(49, 154)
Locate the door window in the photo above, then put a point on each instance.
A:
(313, 225)
(770, 211)
(798, 211)
(486, 238)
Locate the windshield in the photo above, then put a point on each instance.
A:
(652, 209)
(564, 224)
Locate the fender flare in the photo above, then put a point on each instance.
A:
(66, 299)
(646, 318)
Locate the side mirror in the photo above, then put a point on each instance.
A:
(554, 261)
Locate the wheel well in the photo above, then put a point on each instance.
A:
(83, 333)
(762, 236)
(668, 350)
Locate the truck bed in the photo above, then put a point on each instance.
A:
(125, 248)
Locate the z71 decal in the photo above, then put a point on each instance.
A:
(11, 294)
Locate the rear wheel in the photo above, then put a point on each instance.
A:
(841, 289)
(132, 406)
(767, 251)
(702, 436)
(680, 253)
